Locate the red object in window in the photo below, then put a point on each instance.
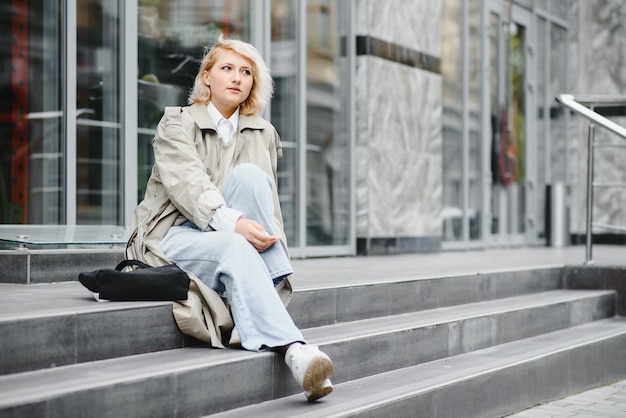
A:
(19, 136)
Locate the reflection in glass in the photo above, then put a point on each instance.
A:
(518, 116)
(543, 112)
(327, 95)
(98, 179)
(559, 8)
(474, 214)
(558, 146)
(31, 105)
(451, 68)
(460, 181)
(508, 101)
(284, 65)
(496, 116)
(173, 35)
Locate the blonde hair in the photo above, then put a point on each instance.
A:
(262, 85)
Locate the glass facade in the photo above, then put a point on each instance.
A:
(64, 127)
(98, 113)
(32, 159)
(67, 120)
(284, 108)
(498, 150)
(172, 36)
(327, 134)
(452, 130)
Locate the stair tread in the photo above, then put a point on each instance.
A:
(18, 302)
(40, 384)
(372, 326)
(361, 394)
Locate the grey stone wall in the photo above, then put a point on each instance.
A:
(398, 119)
(598, 66)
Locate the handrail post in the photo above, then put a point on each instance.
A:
(570, 102)
(590, 151)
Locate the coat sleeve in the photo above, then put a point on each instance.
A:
(181, 170)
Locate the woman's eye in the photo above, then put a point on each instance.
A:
(226, 67)
(247, 72)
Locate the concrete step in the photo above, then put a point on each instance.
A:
(50, 266)
(58, 324)
(329, 303)
(491, 382)
(67, 326)
(189, 381)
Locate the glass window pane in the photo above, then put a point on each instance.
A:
(98, 159)
(559, 8)
(31, 103)
(496, 104)
(284, 66)
(517, 111)
(475, 192)
(451, 68)
(173, 35)
(558, 70)
(327, 95)
(543, 111)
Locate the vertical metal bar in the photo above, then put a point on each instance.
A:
(70, 111)
(260, 21)
(590, 150)
(351, 57)
(487, 182)
(465, 119)
(128, 104)
(547, 120)
(301, 96)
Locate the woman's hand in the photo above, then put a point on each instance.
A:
(255, 234)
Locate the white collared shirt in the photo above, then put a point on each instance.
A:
(225, 218)
(226, 128)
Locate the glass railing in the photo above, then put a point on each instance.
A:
(45, 237)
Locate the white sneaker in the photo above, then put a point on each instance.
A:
(311, 368)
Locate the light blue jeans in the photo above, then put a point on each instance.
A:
(229, 264)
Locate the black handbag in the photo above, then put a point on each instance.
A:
(144, 283)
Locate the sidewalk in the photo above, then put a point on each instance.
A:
(605, 401)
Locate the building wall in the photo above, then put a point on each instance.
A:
(598, 66)
(398, 126)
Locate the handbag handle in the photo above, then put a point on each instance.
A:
(126, 263)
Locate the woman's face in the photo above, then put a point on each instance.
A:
(230, 81)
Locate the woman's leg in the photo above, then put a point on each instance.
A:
(227, 263)
(249, 190)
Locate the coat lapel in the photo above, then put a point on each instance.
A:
(200, 115)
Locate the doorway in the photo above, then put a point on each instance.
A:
(508, 98)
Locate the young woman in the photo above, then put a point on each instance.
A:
(211, 206)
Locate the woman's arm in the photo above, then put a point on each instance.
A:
(182, 171)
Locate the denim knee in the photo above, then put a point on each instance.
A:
(251, 175)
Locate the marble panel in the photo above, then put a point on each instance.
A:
(597, 54)
(363, 121)
(399, 181)
(411, 23)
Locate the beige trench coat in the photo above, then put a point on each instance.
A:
(185, 184)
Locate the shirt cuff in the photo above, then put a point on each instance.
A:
(225, 219)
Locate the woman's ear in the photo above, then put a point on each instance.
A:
(206, 78)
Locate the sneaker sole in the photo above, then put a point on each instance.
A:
(319, 370)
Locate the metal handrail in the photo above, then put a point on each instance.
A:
(575, 104)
